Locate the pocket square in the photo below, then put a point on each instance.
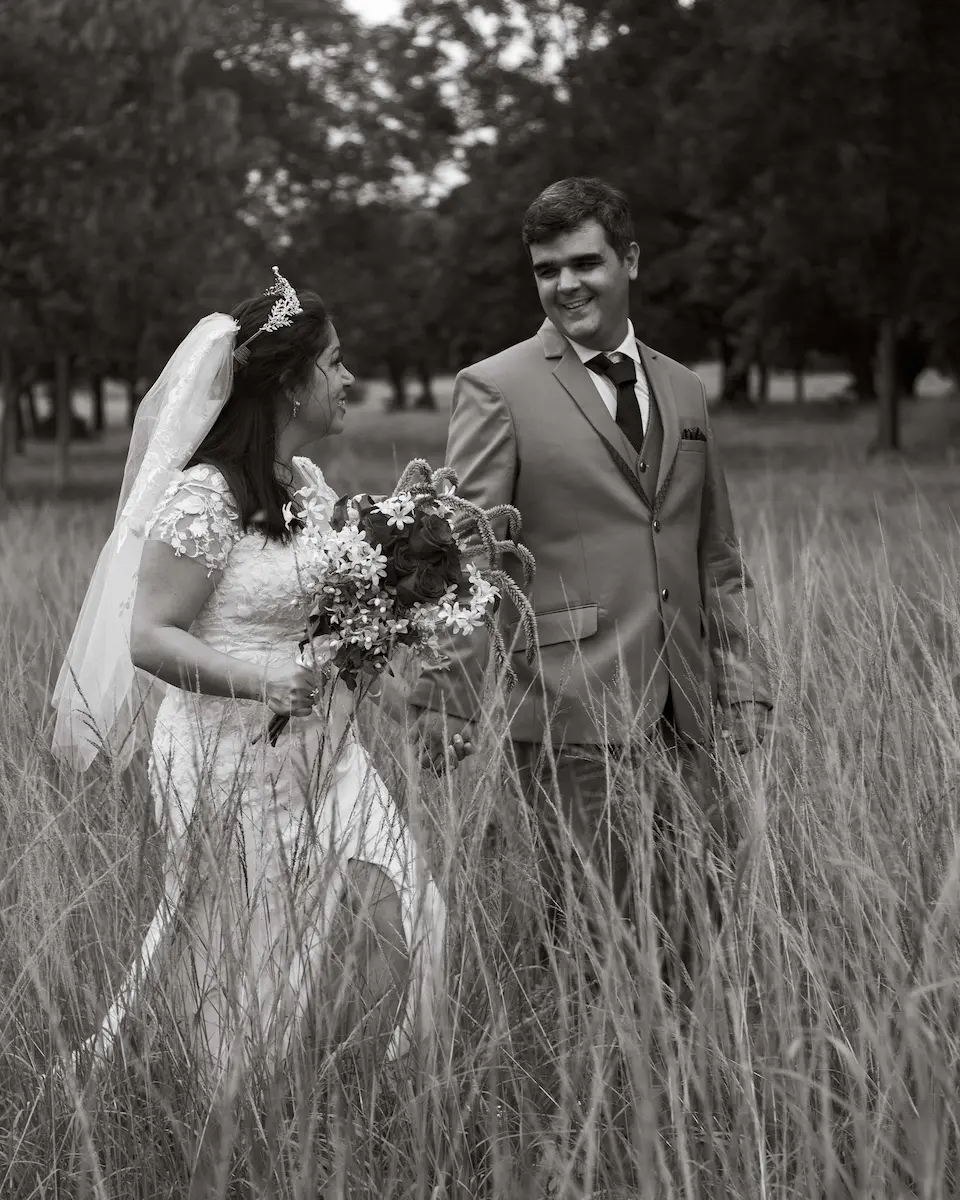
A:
(693, 435)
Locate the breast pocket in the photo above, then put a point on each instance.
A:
(558, 625)
(691, 459)
(689, 469)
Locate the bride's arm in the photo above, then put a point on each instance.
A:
(188, 542)
(171, 591)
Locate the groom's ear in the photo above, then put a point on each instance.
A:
(632, 260)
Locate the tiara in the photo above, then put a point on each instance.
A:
(286, 307)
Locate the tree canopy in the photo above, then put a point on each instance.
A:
(793, 169)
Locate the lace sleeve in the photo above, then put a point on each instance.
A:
(197, 517)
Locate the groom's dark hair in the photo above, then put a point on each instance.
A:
(242, 444)
(566, 204)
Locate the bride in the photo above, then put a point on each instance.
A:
(197, 588)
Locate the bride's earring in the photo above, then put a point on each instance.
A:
(296, 408)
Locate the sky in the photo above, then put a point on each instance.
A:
(375, 10)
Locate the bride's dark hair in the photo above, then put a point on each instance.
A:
(242, 444)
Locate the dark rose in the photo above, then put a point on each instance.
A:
(451, 575)
(430, 534)
(404, 558)
(426, 584)
(378, 532)
(400, 563)
(451, 562)
(430, 583)
(437, 529)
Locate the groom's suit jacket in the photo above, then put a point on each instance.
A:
(640, 588)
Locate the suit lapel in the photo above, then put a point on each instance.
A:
(575, 379)
(661, 394)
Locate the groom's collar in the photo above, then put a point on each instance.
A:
(628, 347)
(555, 344)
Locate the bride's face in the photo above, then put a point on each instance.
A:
(323, 402)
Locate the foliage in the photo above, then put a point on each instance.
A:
(794, 170)
(792, 167)
(179, 148)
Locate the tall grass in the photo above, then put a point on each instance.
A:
(817, 1055)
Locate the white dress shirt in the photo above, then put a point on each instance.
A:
(605, 386)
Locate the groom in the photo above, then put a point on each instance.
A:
(646, 614)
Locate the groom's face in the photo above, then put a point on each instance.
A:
(584, 286)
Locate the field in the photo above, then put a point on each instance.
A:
(819, 1055)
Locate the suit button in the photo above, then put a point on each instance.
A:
(656, 527)
(643, 466)
(665, 594)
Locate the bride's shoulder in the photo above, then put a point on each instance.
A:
(202, 475)
(197, 515)
(202, 483)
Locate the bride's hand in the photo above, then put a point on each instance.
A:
(290, 690)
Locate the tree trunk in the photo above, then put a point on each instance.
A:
(888, 391)
(63, 417)
(735, 378)
(426, 399)
(27, 394)
(8, 422)
(19, 425)
(799, 384)
(98, 392)
(861, 367)
(396, 373)
(763, 382)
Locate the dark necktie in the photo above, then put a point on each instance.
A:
(623, 375)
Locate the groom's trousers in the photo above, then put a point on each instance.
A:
(637, 826)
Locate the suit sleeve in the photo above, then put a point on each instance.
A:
(482, 449)
(729, 593)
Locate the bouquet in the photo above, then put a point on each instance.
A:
(398, 571)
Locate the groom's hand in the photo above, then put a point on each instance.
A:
(745, 725)
(444, 741)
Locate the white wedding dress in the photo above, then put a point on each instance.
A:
(259, 838)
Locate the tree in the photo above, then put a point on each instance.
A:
(841, 169)
(179, 141)
(792, 167)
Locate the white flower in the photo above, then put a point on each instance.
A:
(481, 590)
(345, 547)
(399, 510)
(459, 619)
(351, 556)
(315, 509)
